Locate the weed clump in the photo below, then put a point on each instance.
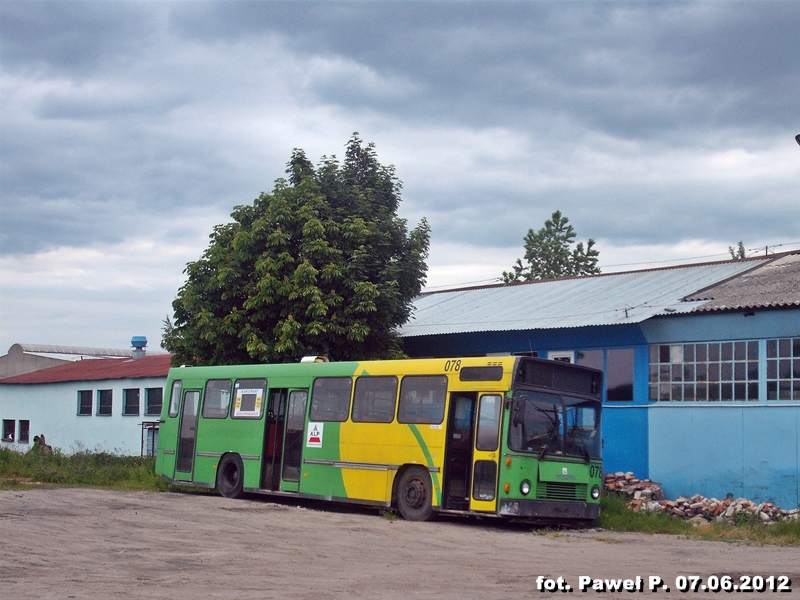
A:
(91, 469)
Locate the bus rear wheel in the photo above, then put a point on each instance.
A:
(230, 476)
(414, 494)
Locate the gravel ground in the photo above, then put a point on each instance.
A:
(82, 543)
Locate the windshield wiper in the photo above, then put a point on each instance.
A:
(586, 453)
(549, 441)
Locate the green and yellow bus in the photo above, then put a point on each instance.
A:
(511, 436)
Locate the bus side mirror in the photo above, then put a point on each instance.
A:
(518, 410)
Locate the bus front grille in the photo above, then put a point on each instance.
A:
(554, 490)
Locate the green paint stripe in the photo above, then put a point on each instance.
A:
(424, 447)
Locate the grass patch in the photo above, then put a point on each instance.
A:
(90, 469)
(616, 516)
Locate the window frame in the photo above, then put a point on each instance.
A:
(705, 371)
(9, 430)
(85, 409)
(128, 402)
(148, 410)
(24, 431)
(101, 403)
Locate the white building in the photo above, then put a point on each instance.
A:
(110, 404)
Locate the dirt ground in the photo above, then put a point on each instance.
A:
(80, 543)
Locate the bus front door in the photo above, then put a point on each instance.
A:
(187, 436)
(294, 440)
(486, 453)
(273, 439)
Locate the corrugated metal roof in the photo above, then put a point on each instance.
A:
(75, 351)
(774, 285)
(98, 369)
(611, 299)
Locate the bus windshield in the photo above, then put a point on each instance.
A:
(551, 424)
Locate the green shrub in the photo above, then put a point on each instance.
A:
(95, 469)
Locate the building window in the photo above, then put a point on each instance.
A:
(104, 402)
(130, 406)
(783, 369)
(24, 434)
(618, 367)
(619, 375)
(705, 372)
(85, 403)
(8, 430)
(153, 399)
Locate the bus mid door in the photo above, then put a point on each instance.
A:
(294, 440)
(273, 440)
(486, 453)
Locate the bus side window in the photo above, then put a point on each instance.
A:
(175, 398)
(330, 399)
(374, 399)
(249, 398)
(422, 399)
(217, 399)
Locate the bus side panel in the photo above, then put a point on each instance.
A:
(377, 450)
(321, 476)
(216, 437)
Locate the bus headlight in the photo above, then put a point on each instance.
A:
(525, 487)
(595, 493)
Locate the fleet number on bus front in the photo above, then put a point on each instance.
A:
(452, 365)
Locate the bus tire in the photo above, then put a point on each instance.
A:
(230, 476)
(415, 494)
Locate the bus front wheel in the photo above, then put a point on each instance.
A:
(414, 494)
(230, 476)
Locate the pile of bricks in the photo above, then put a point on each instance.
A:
(648, 496)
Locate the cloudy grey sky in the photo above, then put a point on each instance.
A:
(663, 130)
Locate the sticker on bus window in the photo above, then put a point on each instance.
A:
(314, 435)
(248, 402)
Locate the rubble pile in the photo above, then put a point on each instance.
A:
(647, 495)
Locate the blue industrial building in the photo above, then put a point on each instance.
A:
(702, 364)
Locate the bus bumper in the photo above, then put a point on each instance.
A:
(541, 509)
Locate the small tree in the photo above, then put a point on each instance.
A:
(737, 253)
(322, 265)
(549, 254)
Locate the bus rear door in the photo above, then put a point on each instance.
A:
(187, 436)
(283, 441)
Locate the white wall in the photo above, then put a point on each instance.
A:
(52, 410)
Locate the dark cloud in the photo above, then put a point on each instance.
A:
(122, 109)
(73, 38)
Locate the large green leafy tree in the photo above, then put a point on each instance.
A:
(322, 265)
(549, 253)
